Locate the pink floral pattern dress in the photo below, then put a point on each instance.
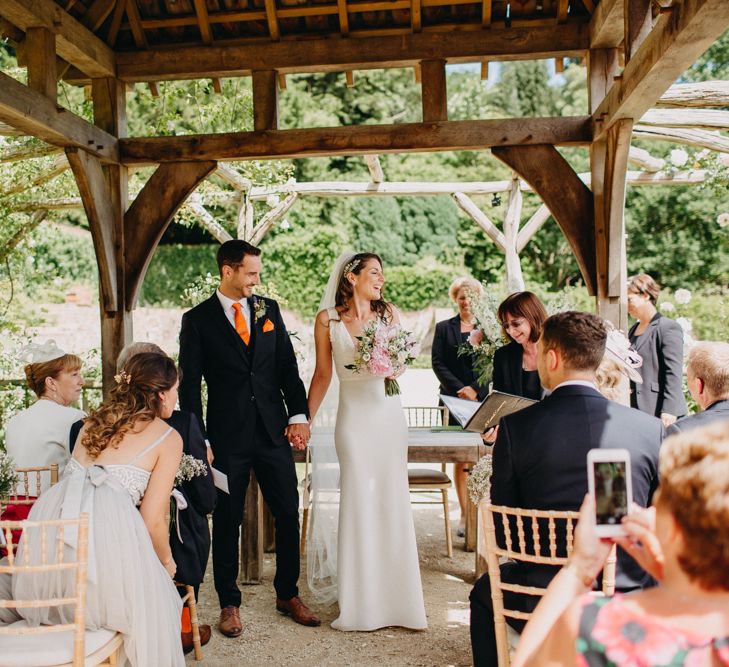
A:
(612, 634)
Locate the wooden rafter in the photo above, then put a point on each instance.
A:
(562, 7)
(606, 25)
(203, 21)
(674, 43)
(135, 21)
(343, 17)
(486, 13)
(359, 140)
(330, 55)
(75, 43)
(416, 21)
(272, 20)
(97, 13)
(699, 119)
(116, 21)
(36, 115)
(699, 138)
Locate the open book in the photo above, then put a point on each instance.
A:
(479, 417)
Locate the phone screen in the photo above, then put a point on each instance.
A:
(611, 492)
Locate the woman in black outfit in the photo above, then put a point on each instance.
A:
(659, 340)
(515, 364)
(455, 372)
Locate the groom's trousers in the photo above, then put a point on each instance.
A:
(276, 474)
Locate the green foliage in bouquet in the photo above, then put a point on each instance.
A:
(8, 476)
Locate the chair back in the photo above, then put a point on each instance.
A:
(30, 484)
(426, 416)
(49, 546)
(529, 546)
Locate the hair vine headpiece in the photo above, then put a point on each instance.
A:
(122, 376)
(618, 347)
(351, 266)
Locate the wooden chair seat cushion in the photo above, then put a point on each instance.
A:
(46, 649)
(427, 476)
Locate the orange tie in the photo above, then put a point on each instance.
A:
(241, 325)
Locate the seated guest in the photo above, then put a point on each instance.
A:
(455, 371)
(707, 372)
(659, 340)
(38, 435)
(540, 458)
(190, 541)
(682, 542)
(121, 475)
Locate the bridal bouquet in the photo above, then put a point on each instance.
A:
(487, 337)
(189, 468)
(384, 350)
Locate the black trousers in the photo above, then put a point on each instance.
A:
(276, 474)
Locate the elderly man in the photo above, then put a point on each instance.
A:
(707, 372)
(540, 459)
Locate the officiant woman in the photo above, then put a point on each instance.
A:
(455, 372)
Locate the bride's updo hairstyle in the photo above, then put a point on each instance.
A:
(134, 398)
(345, 292)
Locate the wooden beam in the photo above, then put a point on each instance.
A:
(38, 116)
(336, 55)
(358, 140)
(674, 43)
(349, 78)
(562, 7)
(696, 119)
(607, 25)
(203, 21)
(99, 10)
(514, 277)
(486, 13)
(532, 226)
(268, 220)
(602, 66)
(40, 46)
(232, 177)
(375, 168)
(116, 20)
(696, 95)
(434, 93)
(466, 204)
(416, 21)
(343, 16)
(645, 160)
(561, 189)
(272, 20)
(699, 138)
(638, 21)
(74, 42)
(135, 22)
(151, 213)
(265, 100)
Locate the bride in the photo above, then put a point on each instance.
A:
(377, 570)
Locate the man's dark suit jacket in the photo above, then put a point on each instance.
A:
(243, 382)
(661, 346)
(718, 411)
(190, 556)
(540, 461)
(454, 371)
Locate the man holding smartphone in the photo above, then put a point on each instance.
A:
(540, 459)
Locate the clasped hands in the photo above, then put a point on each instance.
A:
(298, 435)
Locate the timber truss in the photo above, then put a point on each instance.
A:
(633, 49)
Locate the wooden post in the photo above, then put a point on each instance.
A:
(609, 161)
(251, 537)
(265, 100)
(602, 66)
(40, 49)
(514, 278)
(433, 85)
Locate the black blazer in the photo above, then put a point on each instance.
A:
(661, 346)
(454, 371)
(507, 375)
(244, 382)
(540, 461)
(718, 411)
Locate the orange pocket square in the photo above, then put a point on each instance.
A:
(267, 326)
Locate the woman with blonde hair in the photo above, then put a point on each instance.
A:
(121, 474)
(455, 371)
(38, 435)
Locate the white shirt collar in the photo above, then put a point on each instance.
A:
(576, 383)
(227, 302)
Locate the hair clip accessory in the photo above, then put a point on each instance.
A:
(122, 376)
(351, 266)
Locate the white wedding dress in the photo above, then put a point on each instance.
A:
(129, 590)
(378, 573)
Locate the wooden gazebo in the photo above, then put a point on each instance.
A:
(634, 50)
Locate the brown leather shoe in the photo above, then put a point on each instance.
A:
(205, 633)
(230, 624)
(298, 611)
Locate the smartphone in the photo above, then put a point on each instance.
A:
(609, 483)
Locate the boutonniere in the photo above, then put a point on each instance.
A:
(259, 309)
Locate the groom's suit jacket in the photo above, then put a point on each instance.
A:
(244, 382)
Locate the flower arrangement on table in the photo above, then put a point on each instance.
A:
(384, 350)
(189, 468)
(479, 480)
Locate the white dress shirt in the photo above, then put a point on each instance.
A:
(578, 383)
(229, 311)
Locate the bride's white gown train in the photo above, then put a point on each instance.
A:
(378, 573)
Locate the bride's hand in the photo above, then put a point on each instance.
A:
(397, 374)
(171, 567)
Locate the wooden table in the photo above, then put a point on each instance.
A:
(441, 445)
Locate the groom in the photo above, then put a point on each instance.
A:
(239, 344)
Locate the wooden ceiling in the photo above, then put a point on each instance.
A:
(130, 25)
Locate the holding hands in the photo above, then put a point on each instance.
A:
(298, 435)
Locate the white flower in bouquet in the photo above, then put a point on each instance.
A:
(488, 335)
(723, 220)
(682, 296)
(666, 307)
(679, 157)
(8, 476)
(189, 468)
(479, 481)
(685, 324)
